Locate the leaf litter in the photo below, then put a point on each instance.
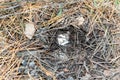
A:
(68, 42)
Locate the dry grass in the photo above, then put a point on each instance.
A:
(103, 15)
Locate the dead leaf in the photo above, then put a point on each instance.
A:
(29, 30)
(80, 20)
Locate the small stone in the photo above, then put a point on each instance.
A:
(21, 69)
(32, 64)
(33, 73)
(26, 71)
(24, 62)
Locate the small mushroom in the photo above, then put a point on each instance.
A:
(63, 39)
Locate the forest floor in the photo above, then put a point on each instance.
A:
(59, 39)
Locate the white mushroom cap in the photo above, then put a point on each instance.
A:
(63, 39)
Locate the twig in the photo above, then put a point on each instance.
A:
(115, 59)
(6, 16)
(99, 64)
(12, 7)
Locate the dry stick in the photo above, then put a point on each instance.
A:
(97, 49)
(99, 64)
(12, 7)
(14, 14)
(106, 30)
(5, 48)
(92, 24)
(6, 16)
(60, 18)
(48, 73)
(96, 16)
(86, 68)
(23, 49)
(31, 78)
(7, 73)
(115, 59)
